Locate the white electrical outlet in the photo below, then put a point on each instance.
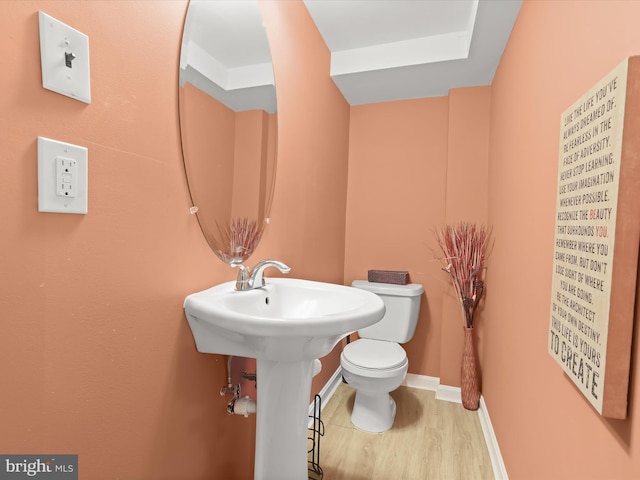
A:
(66, 177)
(64, 55)
(62, 177)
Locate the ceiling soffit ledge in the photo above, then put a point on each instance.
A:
(387, 50)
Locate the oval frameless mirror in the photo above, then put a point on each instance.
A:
(228, 123)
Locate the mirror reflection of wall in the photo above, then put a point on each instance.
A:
(228, 123)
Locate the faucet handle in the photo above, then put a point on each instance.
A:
(257, 273)
(242, 282)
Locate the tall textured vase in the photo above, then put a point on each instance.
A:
(469, 383)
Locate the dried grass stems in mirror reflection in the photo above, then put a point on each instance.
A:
(466, 247)
(237, 240)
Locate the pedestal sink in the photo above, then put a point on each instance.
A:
(285, 326)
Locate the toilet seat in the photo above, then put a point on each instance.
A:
(374, 358)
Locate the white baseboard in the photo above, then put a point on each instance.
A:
(449, 394)
(327, 391)
(499, 469)
(423, 382)
(445, 393)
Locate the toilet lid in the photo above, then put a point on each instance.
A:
(374, 354)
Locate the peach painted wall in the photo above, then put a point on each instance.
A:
(466, 200)
(252, 158)
(228, 155)
(414, 165)
(545, 427)
(97, 358)
(397, 190)
(208, 124)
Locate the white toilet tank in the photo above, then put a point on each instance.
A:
(402, 304)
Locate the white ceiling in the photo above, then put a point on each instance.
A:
(383, 50)
(225, 53)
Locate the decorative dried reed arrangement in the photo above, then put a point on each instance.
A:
(237, 240)
(465, 247)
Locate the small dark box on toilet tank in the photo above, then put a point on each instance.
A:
(389, 276)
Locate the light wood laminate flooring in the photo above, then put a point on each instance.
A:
(430, 440)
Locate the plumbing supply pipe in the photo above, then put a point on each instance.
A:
(229, 389)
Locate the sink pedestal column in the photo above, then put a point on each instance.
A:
(282, 419)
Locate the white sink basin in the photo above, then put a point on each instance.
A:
(285, 326)
(288, 319)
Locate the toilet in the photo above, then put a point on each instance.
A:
(376, 364)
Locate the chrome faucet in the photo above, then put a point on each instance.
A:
(250, 278)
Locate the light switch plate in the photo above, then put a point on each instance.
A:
(64, 55)
(62, 177)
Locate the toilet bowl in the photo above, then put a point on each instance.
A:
(376, 364)
(374, 410)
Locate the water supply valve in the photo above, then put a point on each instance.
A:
(230, 390)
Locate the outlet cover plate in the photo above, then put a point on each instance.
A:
(64, 55)
(53, 154)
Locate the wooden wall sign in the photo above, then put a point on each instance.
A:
(597, 236)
